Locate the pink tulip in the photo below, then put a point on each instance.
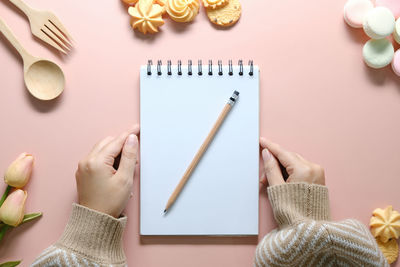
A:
(19, 172)
(13, 209)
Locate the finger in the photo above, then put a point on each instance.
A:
(263, 179)
(129, 156)
(99, 145)
(114, 147)
(135, 129)
(271, 167)
(285, 157)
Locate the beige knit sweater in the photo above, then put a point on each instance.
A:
(305, 236)
(90, 239)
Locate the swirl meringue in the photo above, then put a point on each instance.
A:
(215, 4)
(146, 16)
(385, 224)
(183, 10)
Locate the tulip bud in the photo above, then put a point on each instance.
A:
(19, 172)
(13, 209)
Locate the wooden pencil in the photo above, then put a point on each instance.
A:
(201, 150)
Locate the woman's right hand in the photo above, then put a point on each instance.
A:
(298, 168)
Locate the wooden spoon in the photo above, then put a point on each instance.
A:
(43, 78)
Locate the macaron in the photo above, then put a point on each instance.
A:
(379, 23)
(378, 53)
(396, 32)
(393, 5)
(355, 11)
(396, 63)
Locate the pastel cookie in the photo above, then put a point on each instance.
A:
(183, 10)
(396, 32)
(355, 12)
(389, 249)
(162, 3)
(396, 63)
(130, 2)
(393, 5)
(385, 224)
(227, 15)
(215, 4)
(378, 53)
(379, 23)
(146, 16)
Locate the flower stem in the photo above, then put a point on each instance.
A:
(3, 198)
(3, 231)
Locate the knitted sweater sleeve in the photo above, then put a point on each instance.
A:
(306, 237)
(90, 238)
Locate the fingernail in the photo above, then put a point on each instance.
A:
(132, 140)
(266, 154)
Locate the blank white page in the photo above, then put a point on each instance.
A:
(176, 114)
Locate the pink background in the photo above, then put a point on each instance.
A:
(317, 98)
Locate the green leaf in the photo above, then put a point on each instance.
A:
(3, 198)
(3, 231)
(30, 217)
(10, 264)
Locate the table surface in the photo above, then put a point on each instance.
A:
(317, 98)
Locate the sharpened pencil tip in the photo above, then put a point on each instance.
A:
(236, 93)
(165, 211)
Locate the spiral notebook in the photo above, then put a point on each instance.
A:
(178, 106)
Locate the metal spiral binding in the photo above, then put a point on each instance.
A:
(159, 64)
(169, 67)
(200, 67)
(179, 67)
(220, 67)
(149, 63)
(190, 67)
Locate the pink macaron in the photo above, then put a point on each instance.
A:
(393, 5)
(355, 11)
(396, 63)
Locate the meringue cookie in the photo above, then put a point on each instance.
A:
(379, 23)
(378, 53)
(146, 16)
(393, 5)
(385, 224)
(396, 32)
(183, 10)
(396, 63)
(355, 11)
(215, 4)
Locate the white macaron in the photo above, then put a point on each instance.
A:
(379, 23)
(396, 33)
(378, 53)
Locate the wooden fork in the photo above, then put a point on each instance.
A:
(46, 26)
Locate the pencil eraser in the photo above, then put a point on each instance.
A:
(378, 53)
(379, 23)
(355, 11)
